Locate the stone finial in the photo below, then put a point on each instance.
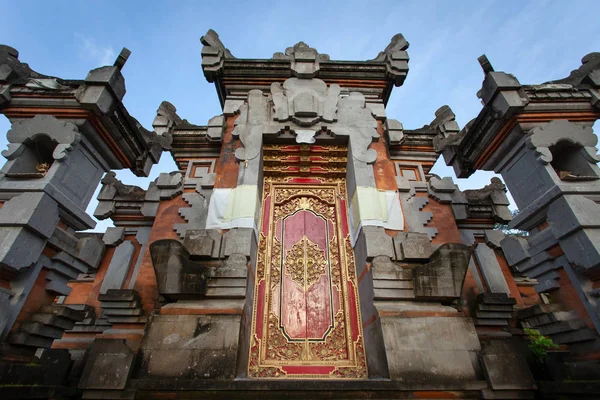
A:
(447, 128)
(396, 59)
(486, 65)
(305, 59)
(214, 54)
(122, 58)
(14, 71)
(587, 73)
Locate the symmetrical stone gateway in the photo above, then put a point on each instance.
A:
(303, 248)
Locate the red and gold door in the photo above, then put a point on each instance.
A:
(306, 319)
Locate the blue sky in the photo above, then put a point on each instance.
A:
(537, 41)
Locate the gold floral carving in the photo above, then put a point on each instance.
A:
(257, 371)
(335, 346)
(304, 203)
(326, 195)
(305, 262)
(275, 269)
(278, 348)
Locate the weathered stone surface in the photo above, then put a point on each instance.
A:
(430, 349)
(118, 267)
(35, 210)
(443, 277)
(90, 250)
(191, 346)
(412, 246)
(113, 236)
(108, 365)
(199, 243)
(505, 368)
(490, 269)
(378, 243)
(238, 241)
(493, 238)
(177, 276)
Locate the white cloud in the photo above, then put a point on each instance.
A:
(91, 51)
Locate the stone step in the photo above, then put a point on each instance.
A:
(495, 307)
(26, 339)
(561, 327)
(494, 314)
(496, 298)
(122, 311)
(226, 282)
(580, 335)
(120, 304)
(392, 284)
(53, 320)
(119, 295)
(393, 294)
(537, 309)
(548, 318)
(63, 311)
(226, 292)
(36, 328)
(89, 328)
(491, 322)
(392, 274)
(127, 320)
(506, 394)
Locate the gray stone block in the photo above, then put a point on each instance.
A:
(443, 277)
(191, 346)
(378, 243)
(177, 276)
(199, 243)
(516, 249)
(419, 349)
(90, 250)
(110, 76)
(490, 269)
(118, 267)
(113, 236)
(412, 246)
(19, 247)
(108, 365)
(493, 238)
(35, 210)
(505, 368)
(238, 241)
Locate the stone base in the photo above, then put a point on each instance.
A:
(190, 347)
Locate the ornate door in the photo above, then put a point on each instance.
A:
(306, 319)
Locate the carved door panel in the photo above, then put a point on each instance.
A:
(306, 316)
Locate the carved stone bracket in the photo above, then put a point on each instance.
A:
(396, 59)
(64, 134)
(214, 54)
(542, 138)
(305, 60)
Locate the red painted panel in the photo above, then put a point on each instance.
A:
(260, 308)
(266, 213)
(344, 217)
(353, 309)
(308, 369)
(318, 308)
(293, 308)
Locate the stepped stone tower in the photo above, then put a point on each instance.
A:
(302, 249)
